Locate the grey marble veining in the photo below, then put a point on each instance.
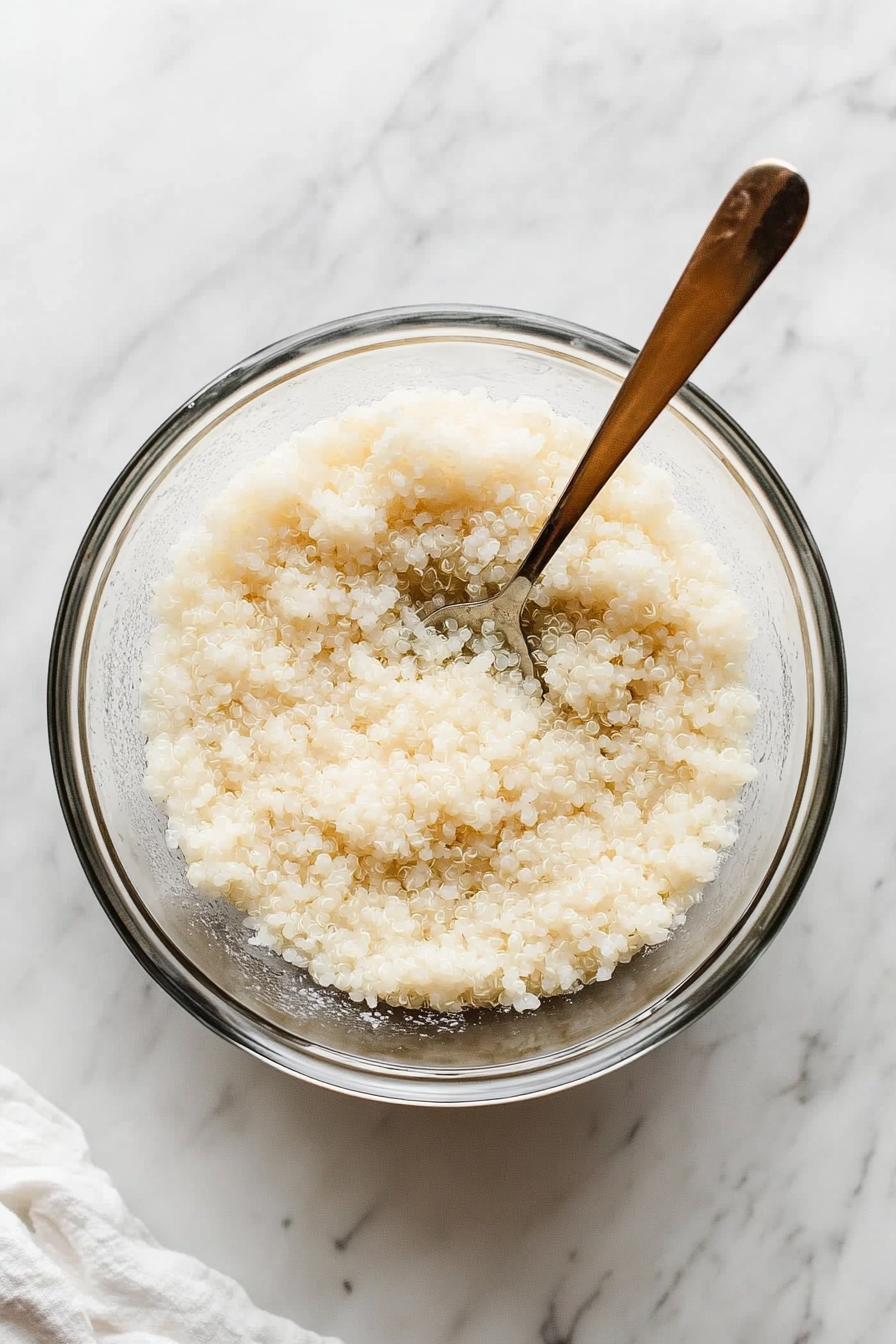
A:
(184, 183)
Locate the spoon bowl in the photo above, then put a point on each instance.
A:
(503, 613)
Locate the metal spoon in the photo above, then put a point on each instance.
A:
(747, 237)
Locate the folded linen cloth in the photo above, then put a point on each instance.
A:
(77, 1267)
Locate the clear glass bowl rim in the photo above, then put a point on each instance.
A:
(339, 1071)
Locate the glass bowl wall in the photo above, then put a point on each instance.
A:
(198, 949)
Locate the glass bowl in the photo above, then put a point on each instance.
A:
(197, 948)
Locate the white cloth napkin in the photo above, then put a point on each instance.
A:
(76, 1267)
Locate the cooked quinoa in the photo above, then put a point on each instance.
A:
(396, 809)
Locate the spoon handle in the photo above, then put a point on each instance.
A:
(747, 237)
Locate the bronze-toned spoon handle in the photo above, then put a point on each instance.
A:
(749, 234)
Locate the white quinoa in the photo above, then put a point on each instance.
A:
(413, 825)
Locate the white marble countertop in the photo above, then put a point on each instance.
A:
(184, 183)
